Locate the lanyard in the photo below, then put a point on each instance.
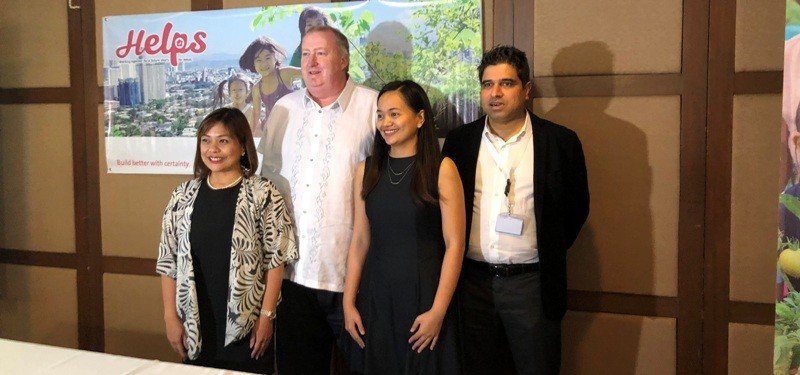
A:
(507, 173)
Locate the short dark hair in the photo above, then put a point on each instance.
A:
(311, 12)
(236, 123)
(247, 61)
(504, 54)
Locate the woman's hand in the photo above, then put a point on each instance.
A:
(353, 325)
(259, 338)
(175, 334)
(426, 330)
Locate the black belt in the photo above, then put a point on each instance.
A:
(501, 270)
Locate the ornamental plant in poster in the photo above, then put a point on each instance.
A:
(164, 72)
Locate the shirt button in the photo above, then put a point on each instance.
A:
(320, 111)
(312, 159)
(307, 185)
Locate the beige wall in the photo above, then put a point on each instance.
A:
(33, 56)
(633, 152)
(642, 36)
(39, 304)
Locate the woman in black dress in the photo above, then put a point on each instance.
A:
(226, 236)
(408, 244)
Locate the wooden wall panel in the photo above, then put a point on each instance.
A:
(33, 43)
(759, 35)
(749, 349)
(38, 304)
(36, 204)
(618, 344)
(574, 37)
(134, 315)
(131, 226)
(754, 196)
(632, 154)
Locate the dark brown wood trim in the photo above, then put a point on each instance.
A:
(129, 265)
(691, 220)
(503, 22)
(523, 31)
(621, 303)
(38, 258)
(758, 82)
(86, 177)
(36, 95)
(215, 4)
(621, 85)
(86, 315)
(751, 313)
(721, 57)
(199, 5)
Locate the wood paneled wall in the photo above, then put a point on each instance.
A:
(676, 102)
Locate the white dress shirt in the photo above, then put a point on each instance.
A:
(311, 154)
(514, 157)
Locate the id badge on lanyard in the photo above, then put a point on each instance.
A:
(507, 222)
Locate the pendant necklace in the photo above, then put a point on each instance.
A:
(401, 174)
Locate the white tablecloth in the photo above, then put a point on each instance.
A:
(18, 357)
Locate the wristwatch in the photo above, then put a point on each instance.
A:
(270, 314)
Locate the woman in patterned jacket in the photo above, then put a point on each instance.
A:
(226, 236)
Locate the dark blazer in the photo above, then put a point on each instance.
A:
(560, 195)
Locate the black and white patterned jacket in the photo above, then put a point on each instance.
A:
(263, 238)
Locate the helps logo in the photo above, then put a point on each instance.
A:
(154, 44)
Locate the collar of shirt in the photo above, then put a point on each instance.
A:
(340, 103)
(499, 143)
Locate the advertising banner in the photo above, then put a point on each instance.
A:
(164, 72)
(786, 358)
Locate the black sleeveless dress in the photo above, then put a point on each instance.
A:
(211, 237)
(400, 279)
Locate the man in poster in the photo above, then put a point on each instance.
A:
(313, 142)
(527, 198)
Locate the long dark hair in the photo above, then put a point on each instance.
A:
(425, 172)
(237, 125)
(247, 60)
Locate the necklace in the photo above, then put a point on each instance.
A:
(236, 181)
(401, 174)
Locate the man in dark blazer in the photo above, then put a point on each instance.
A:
(526, 197)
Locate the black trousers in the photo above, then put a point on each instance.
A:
(309, 322)
(504, 330)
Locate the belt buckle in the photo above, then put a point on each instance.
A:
(499, 270)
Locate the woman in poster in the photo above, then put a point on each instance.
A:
(225, 238)
(407, 246)
(264, 56)
(238, 88)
